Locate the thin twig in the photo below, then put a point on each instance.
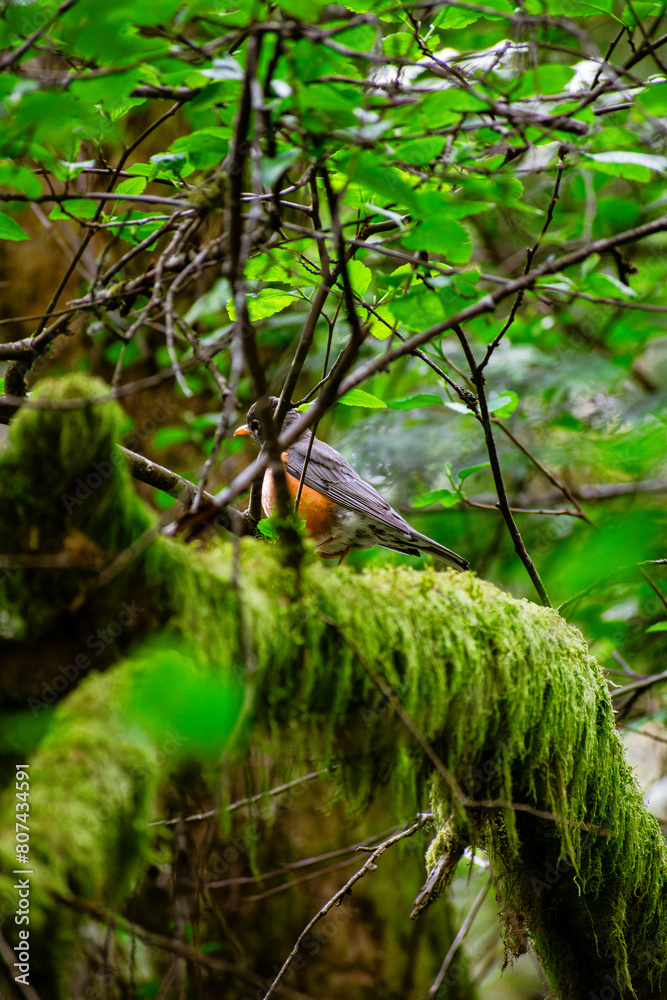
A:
(313, 433)
(256, 897)
(656, 590)
(369, 865)
(562, 487)
(520, 510)
(639, 21)
(241, 803)
(305, 862)
(503, 503)
(639, 685)
(102, 196)
(462, 932)
(12, 56)
(328, 279)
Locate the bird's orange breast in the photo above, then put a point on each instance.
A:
(316, 509)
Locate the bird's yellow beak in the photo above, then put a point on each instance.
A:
(242, 432)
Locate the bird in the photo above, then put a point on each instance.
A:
(341, 510)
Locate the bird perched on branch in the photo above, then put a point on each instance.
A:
(341, 510)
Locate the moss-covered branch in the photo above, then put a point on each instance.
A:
(503, 695)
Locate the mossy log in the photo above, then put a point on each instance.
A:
(502, 710)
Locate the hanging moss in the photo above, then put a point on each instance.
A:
(504, 691)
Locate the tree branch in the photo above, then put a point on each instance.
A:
(503, 503)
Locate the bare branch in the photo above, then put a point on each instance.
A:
(368, 866)
(503, 503)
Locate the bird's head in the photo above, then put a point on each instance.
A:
(253, 427)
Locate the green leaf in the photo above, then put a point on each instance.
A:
(464, 473)
(142, 169)
(66, 171)
(327, 106)
(654, 99)
(445, 497)
(459, 407)
(614, 214)
(303, 10)
(170, 165)
(21, 179)
(169, 692)
(418, 309)
(132, 185)
(414, 402)
(557, 282)
(358, 397)
(640, 12)
(156, 12)
(379, 329)
(272, 170)
(113, 38)
(81, 208)
(265, 303)
(441, 236)
(420, 151)
(397, 45)
(360, 276)
(266, 528)
(500, 189)
(162, 500)
(451, 18)
(543, 79)
(367, 170)
(500, 5)
(363, 6)
(658, 627)
(10, 230)
(464, 284)
(503, 404)
(399, 276)
(607, 285)
(569, 8)
(437, 105)
(206, 147)
(625, 163)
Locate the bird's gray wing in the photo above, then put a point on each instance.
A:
(329, 473)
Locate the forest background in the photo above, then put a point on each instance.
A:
(438, 227)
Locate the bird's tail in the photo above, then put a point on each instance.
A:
(429, 547)
(423, 545)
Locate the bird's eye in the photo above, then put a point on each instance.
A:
(254, 426)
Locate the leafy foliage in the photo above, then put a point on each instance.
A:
(436, 162)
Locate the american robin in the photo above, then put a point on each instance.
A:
(341, 510)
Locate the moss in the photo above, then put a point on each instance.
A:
(65, 492)
(504, 691)
(92, 788)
